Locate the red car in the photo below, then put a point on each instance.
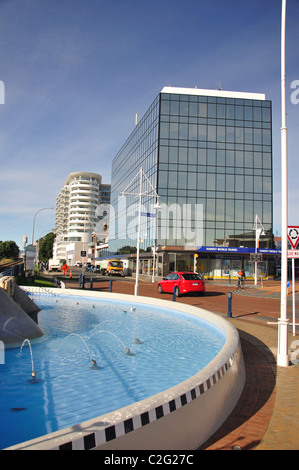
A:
(183, 282)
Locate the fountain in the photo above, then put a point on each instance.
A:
(136, 340)
(33, 379)
(93, 361)
(168, 380)
(127, 350)
(33, 373)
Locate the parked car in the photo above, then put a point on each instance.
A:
(183, 282)
(92, 268)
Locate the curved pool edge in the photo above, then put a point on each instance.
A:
(182, 417)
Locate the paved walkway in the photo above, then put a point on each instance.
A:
(267, 414)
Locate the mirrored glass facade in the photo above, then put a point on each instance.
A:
(139, 151)
(209, 156)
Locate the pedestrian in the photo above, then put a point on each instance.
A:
(241, 277)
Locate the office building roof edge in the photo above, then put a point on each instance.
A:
(216, 93)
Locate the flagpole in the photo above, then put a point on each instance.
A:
(140, 194)
(136, 290)
(282, 351)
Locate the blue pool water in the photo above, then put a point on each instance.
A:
(68, 390)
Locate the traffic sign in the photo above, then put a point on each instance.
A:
(293, 235)
(64, 268)
(83, 254)
(256, 257)
(293, 253)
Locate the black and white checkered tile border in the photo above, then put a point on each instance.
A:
(112, 432)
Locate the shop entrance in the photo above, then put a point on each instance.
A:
(180, 262)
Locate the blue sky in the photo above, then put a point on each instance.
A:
(76, 72)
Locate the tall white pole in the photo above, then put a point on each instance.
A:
(256, 242)
(157, 206)
(294, 296)
(282, 352)
(138, 236)
(33, 225)
(155, 242)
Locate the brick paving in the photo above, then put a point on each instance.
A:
(250, 418)
(267, 414)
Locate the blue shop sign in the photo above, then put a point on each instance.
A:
(229, 249)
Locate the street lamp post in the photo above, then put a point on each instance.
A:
(282, 352)
(44, 209)
(141, 174)
(83, 243)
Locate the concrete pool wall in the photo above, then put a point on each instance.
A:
(182, 417)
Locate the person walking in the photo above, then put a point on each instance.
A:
(241, 277)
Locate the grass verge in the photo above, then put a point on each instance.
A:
(37, 281)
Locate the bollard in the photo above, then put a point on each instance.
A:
(80, 279)
(229, 279)
(91, 283)
(83, 282)
(110, 285)
(173, 294)
(229, 305)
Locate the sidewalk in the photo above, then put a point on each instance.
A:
(267, 414)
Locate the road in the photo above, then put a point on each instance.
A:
(254, 303)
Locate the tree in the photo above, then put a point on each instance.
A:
(9, 250)
(126, 250)
(46, 246)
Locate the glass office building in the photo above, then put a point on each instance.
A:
(208, 155)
